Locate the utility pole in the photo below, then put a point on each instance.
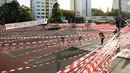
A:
(119, 15)
(119, 28)
(3, 21)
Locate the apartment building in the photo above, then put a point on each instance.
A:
(42, 8)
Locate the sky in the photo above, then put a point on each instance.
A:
(65, 4)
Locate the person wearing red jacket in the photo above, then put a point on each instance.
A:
(101, 35)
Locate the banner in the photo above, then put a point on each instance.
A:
(25, 24)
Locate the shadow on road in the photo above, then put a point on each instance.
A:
(127, 62)
(112, 68)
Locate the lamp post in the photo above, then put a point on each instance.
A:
(119, 15)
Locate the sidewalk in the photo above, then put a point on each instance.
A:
(122, 63)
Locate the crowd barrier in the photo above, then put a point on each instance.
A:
(86, 63)
(111, 27)
(27, 67)
(24, 68)
(12, 46)
(54, 61)
(90, 67)
(77, 66)
(100, 63)
(46, 37)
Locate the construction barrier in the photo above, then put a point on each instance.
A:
(92, 62)
(16, 69)
(36, 37)
(16, 45)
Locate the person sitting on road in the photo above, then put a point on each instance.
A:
(115, 31)
(80, 38)
(62, 39)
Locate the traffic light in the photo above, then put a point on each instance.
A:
(123, 23)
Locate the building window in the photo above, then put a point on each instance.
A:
(42, 13)
(51, 6)
(42, 16)
(38, 5)
(38, 2)
(51, 3)
(42, 6)
(38, 9)
(38, 13)
(47, 17)
(38, 16)
(42, 9)
(42, 2)
(47, 2)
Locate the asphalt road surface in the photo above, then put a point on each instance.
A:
(42, 55)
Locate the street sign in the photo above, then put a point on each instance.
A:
(62, 18)
(77, 14)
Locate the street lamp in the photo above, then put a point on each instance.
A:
(119, 15)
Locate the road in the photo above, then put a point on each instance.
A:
(16, 59)
(48, 56)
(52, 68)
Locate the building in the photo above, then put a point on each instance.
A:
(5, 1)
(124, 5)
(42, 8)
(81, 7)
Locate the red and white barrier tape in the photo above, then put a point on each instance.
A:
(22, 37)
(90, 67)
(28, 67)
(14, 44)
(75, 64)
(54, 46)
(54, 61)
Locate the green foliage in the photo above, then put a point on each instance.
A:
(128, 15)
(69, 15)
(114, 12)
(25, 14)
(13, 12)
(98, 12)
(56, 13)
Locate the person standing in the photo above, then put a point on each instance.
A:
(101, 35)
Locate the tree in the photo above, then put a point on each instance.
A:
(97, 12)
(56, 13)
(114, 12)
(25, 14)
(69, 15)
(9, 12)
(13, 12)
